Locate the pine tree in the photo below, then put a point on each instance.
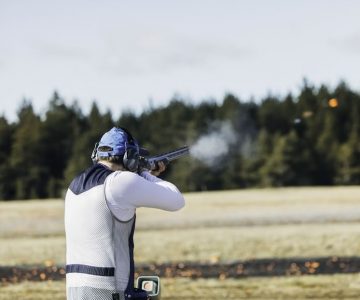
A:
(326, 150)
(25, 157)
(96, 125)
(289, 163)
(7, 188)
(349, 156)
(59, 129)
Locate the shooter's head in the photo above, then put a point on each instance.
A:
(118, 148)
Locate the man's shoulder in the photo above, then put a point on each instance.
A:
(124, 177)
(89, 178)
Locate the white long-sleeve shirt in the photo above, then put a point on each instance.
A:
(100, 207)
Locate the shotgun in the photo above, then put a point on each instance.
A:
(151, 163)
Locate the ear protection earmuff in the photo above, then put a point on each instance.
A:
(94, 153)
(131, 155)
(131, 159)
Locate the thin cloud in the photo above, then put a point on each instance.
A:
(204, 52)
(59, 51)
(350, 43)
(163, 52)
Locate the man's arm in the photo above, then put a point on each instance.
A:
(125, 191)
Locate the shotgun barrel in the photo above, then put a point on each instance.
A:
(151, 163)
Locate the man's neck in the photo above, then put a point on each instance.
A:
(111, 166)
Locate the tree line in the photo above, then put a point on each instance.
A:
(311, 138)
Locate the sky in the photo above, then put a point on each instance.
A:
(132, 55)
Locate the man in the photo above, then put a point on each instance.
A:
(100, 207)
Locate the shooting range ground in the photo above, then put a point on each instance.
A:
(214, 227)
(324, 287)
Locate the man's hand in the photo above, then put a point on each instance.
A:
(161, 168)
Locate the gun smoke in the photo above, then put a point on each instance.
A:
(223, 140)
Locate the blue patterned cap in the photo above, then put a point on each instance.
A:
(116, 141)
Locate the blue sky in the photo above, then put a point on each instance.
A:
(124, 53)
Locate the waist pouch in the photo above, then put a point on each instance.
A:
(135, 294)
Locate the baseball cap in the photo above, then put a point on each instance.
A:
(116, 141)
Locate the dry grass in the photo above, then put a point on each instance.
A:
(235, 243)
(334, 287)
(259, 207)
(201, 244)
(39, 218)
(306, 287)
(34, 291)
(217, 226)
(32, 251)
(213, 226)
(32, 218)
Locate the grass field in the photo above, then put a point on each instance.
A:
(337, 287)
(216, 226)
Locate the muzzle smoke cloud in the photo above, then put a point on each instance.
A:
(211, 147)
(224, 140)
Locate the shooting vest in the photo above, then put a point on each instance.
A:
(99, 248)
